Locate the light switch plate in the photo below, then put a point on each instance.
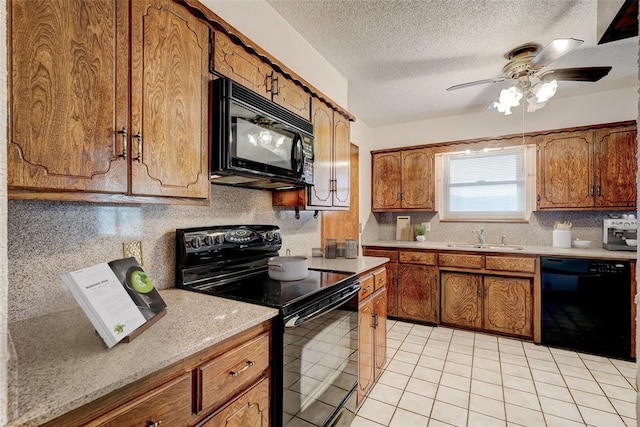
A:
(133, 249)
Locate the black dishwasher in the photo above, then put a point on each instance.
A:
(586, 305)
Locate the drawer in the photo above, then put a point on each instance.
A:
(424, 258)
(251, 408)
(367, 286)
(380, 278)
(392, 255)
(233, 371)
(169, 404)
(460, 260)
(515, 264)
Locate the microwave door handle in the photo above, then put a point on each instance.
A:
(296, 155)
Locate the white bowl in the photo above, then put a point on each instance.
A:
(581, 244)
(631, 242)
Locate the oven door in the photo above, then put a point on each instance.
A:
(320, 361)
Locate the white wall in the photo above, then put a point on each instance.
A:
(362, 136)
(257, 20)
(602, 107)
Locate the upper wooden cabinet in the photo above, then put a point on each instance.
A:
(109, 103)
(331, 165)
(402, 180)
(233, 61)
(587, 169)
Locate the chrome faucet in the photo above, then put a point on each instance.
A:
(482, 235)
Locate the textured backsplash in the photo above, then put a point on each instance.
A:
(47, 239)
(537, 232)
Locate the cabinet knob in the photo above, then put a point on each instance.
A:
(154, 423)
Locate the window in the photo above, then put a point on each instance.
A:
(489, 184)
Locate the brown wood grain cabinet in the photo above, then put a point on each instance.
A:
(492, 293)
(235, 62)
(108, 106)
(372, 332)
(418, 292)
(402, 180)
(587, 169)
(331, 186)
(224, 385)
(391, 273)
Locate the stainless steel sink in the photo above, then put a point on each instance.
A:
(485, 246)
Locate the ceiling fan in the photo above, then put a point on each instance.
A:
(526, 66)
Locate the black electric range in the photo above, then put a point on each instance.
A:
(315, 333)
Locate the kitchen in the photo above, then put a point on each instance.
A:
(57, 234)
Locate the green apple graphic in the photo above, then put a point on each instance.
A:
(141, 282)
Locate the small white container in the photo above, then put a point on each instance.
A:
(562, 239)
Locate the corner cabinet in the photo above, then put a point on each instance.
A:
(402, 180)
(372, 330)
(224, 385)
(587, 169)
(110, 105)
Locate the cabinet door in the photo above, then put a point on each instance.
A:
(291, 96)
(249, 409)
(565, 171)
(461, 299)
(418, 292)
(322, 118)
(169, 404)
(67, 95)
(508, 305)
(341, 161)
(380, 341)
(616, 167)
(386, 173)
(417, 179)
(392, 289)
(169, 101)
(232, 61)
(365, 349)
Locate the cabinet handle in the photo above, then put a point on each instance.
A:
(154, 423)
(375, 321)
(123, 133)
(592, 190)
(138, 138)
(249, 364)
(599, 190)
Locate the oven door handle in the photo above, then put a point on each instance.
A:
(297, 320)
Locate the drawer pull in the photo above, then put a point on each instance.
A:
(249, 364)
(154, 423)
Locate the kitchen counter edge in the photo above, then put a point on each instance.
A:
(61, 363)
(350, 265)
(528, 250)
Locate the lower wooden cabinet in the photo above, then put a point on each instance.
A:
(418, 292)
(372, 335)
(249, 409)
(490, 303)
(168, 404)
(224, 385)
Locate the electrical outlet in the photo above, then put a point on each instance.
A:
(133, 249)
(427, 226)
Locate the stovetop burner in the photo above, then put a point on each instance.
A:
(231, 262)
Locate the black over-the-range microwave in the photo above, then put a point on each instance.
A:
(255, 142)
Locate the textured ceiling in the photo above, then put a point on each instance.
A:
(399, 56)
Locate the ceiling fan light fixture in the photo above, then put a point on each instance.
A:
(509, 98)
(533, 104)
(544, 91)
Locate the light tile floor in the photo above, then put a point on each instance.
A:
(438, 376)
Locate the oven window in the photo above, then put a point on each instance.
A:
(320, 365)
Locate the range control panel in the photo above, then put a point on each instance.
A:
(217, 238)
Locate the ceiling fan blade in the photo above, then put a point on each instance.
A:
(579, 74)
(554, 50)
(477, 82)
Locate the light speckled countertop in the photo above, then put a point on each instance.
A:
(63, 364)
(350, 265)
(528, 250)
